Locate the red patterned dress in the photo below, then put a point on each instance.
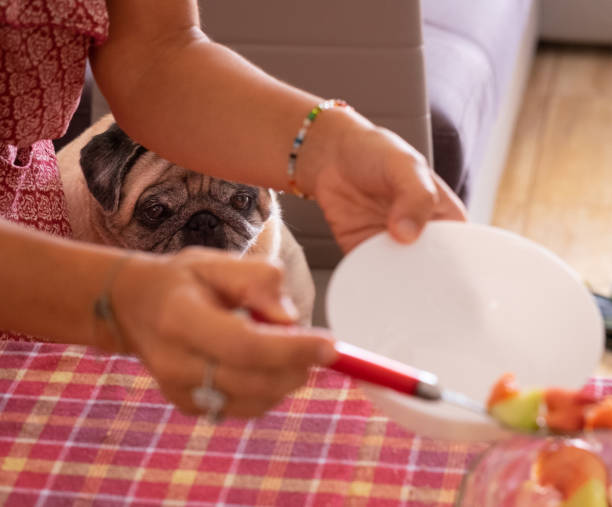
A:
(43, 50)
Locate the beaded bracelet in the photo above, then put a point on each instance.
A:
(299, 140)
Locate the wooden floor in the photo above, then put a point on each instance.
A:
(557, 186)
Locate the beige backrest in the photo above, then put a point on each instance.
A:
(581, 21)
(368, 52)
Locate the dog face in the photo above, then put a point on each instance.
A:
(147, 203)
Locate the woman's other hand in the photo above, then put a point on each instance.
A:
(370, 180)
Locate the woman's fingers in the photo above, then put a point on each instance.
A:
(379, 182)
(420, 196)
(410, 212)
(250, 282)
(216, 332)
(246, 393)
(187, 371)
(247, 344)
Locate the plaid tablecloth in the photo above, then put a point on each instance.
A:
(78, 428)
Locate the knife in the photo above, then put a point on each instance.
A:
(376, 369)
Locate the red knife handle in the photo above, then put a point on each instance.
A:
(368, 366)
(364, 365)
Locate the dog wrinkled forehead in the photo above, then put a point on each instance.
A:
(105, 161)
(108, 159)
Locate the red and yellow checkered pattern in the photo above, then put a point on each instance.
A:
(77, 428)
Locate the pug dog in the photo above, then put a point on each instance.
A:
(121, 194)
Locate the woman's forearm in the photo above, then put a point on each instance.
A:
(49, 285)
(198, 103)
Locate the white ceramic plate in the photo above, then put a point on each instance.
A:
(467, 303)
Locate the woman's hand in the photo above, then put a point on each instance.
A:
(177, 314)
(371, 181)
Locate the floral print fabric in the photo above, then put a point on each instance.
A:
(43, 51)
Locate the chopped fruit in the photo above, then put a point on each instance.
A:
(520, 411)
(563, 410)
(599, 416)
(568, 468)
(504, 388)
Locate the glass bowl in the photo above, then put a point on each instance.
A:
(497, 477)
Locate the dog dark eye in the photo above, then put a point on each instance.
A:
(240, 202)
(155, 213)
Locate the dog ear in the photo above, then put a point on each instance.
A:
(105, 161)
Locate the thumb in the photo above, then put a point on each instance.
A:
(414, 194)
(410, 211)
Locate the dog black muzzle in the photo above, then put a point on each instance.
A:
(205, 229)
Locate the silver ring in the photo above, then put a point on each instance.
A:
(207, 398)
